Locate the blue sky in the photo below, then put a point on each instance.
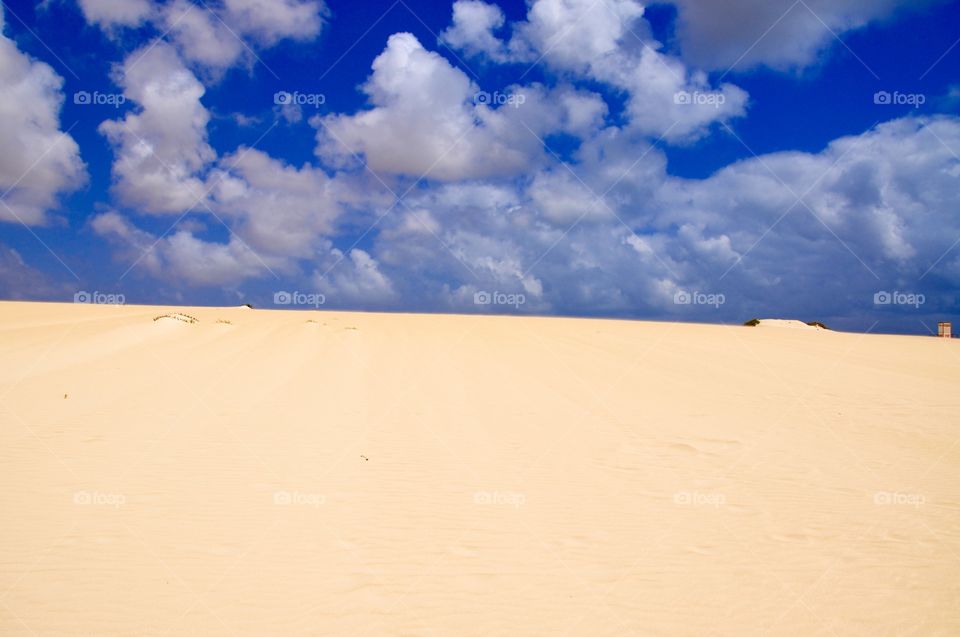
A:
(677, 161)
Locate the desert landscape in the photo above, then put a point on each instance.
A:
(237, 471)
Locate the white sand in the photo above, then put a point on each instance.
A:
(789, 323)
(372, 474)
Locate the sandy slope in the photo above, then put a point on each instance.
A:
(444, 475)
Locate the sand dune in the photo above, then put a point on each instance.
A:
(325, 473)
(789, 323)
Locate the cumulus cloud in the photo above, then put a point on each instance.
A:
(39, 161)
(457, 239)
(561, 198)
(667, 100)
(573, 33)
(472, 31)
(880, 215)
(133, 244)
(19, 280)
(354, 279)
(776, 33)
(429, 119)
(276, 215)
(216, 35)
(161, 148)
(874, 207)
(609, 43)
(606, 230)
(183, 257)
(200, 35)
(270, 21)
(745, 33)
(201, 262)
(278, 209)
(113, 13)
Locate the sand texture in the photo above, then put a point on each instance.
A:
(228, 471)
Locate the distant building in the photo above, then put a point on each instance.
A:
(944, 330)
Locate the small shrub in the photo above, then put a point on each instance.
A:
(185, 318)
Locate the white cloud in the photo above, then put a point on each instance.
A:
(424, 122)
(568, 34)
(133, 244)
(666, 99)
(474, 22)
(877, 201)
(19, 280)
(277, 215)
(561, 198)
(182, 257)
(161, 149)
(885, 197)
(201, 36)
(777, 33)
(573, 34)
(39, 161)
(354, 279)
(278, 209)
(200, 262)
(111, 13)
(289, 112)
(270, 21)
(608, 42)
(214, 36)
(429, 119)
(583, 113)
(497, 212)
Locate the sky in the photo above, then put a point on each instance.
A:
(686, 160)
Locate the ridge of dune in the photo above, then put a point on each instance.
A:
(788, 323)
(333, 473)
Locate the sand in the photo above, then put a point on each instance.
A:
(788, 323)
(324, 473)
